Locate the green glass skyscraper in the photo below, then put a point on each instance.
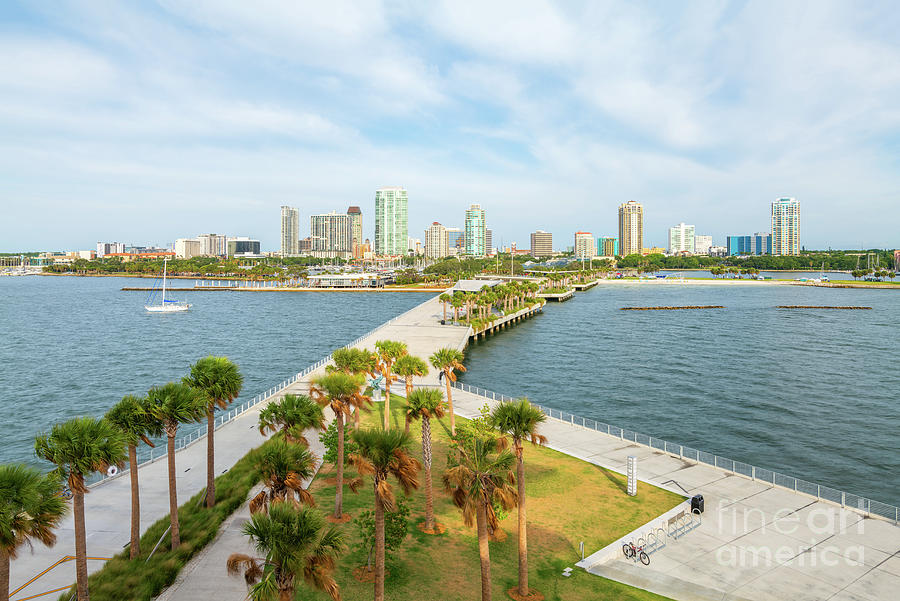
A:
(391, 221)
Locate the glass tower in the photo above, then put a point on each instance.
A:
(391, 221)
(475, 231)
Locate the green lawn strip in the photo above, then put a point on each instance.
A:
(123, 579)
(569, 501)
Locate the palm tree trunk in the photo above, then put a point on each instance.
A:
(135, 503)
(484, 552)
(173, 493)
(523, 534)
(408, 390)
(210, 459)
(339, 494)
(4, 574)
(387, 401)
(450, 404)
(356, 419)
(426, 459)
(81, 574)
(379, 545)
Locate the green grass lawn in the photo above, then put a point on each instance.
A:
(568, 501)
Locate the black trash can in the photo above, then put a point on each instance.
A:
(697, 503)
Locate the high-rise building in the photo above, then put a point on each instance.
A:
(331, 233)
(356, 238)
(488, 242)
(456, 241)
(436, 241)
(391, 221)
(702, 244)
(290, 231)
(585, 247)
(107, 248)
(475, 226)
(541, 244)
(186, 248)
(608, 246)
(786, 226)
(631, 228)
(213, 245)
(681, 239)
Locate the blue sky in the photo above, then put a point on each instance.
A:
(147, 122)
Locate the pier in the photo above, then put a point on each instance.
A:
(508, 320)
(747, 509)
(557, 296)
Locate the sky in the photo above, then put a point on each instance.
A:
(146, 122)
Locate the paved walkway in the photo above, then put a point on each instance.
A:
(756, 541)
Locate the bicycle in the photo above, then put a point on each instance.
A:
(631, 550)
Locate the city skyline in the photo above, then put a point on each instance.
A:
(150, 120)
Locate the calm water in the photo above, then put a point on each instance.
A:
(812, 393)
(74, 346)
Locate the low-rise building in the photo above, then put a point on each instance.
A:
(348, 280)
(702, 244)
(186, 248)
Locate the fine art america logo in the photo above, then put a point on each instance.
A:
(811, 530)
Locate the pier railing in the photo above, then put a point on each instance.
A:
(821, 492)
(149, 454)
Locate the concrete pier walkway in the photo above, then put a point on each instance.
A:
(756, 541)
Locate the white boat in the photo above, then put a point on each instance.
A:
(167, 306)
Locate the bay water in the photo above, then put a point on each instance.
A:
(811, 393)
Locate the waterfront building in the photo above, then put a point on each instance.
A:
(702, 244)
(356, 238)
(414, 246)
(718, 251)
(213, 245)
(331, 233)
(475, 226)
(608, 246)
(290, 231)
(897, 260)
(436, 241)
(758, 244)
(681, 239)
(242, 247)
(347, 280)
(585, 248)
(541, 244)
(186, 248)
(391, 221)
(488, 242)
(455, 240)
(106, 248)
(653, 250)
(786, 226)
(304, 246)
(631, 228)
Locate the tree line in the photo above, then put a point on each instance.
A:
(295, 542)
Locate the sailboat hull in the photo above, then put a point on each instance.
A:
(179, 308)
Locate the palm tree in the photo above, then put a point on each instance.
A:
(283, 468)
(354, 361)
(294, 542)
(388, 353)
(482, 475)
(449, 360)
(425, 403)
(175, 404)
(408, 367)
(383, 453)
(30, 509)
(341, 392)
(445, 298)
(131, 416)
(291, 416)
(78, 448)
(220, 382)
(520, 420)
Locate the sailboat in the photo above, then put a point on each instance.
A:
(167, 306)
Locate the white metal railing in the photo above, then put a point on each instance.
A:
(819, 491)
(149, 454)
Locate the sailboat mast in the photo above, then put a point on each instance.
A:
(165, 263)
